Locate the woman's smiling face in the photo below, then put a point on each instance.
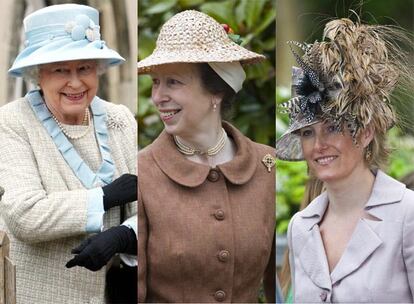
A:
(68, 88)
(331, 154)
(184, 105)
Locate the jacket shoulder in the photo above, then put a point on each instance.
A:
(409, 197)
(294, 231)
(18, 107)
(264, 149)
(16, 116)
(295, 224)
(145, 158)
(116, 110)
(145, 153)
(408, 203)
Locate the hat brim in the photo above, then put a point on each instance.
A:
(289, 146)
(64, 50)
(231, 53)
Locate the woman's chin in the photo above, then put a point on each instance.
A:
(174, 127)
(326, 176)
(170, 129)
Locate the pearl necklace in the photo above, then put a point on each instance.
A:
(186, 150)
(86, 120)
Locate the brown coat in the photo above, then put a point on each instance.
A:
(205, 235)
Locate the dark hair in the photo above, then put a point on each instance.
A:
(215, 85)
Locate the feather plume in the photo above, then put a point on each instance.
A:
(350, 76)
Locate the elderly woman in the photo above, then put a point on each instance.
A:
(206, 212)
(354, 242)
(67, 159)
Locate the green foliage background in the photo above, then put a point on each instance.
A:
(253, 111)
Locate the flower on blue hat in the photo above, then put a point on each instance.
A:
(83, 27)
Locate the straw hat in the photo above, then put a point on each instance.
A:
(346, 80)
(191, 37)
(62, 33)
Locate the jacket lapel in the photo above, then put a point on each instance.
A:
(363, 243)
(313, 260)
(312, 256)
(365, 240)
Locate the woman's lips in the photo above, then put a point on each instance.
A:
(74, 96)
(168, 115)
(326, 160)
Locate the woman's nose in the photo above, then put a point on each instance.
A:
(158, 94)
(74, 80)
(320, 141)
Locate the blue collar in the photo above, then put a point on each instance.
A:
(89, 179)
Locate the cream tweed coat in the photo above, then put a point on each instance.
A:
(44, 208)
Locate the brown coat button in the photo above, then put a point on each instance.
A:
(223, 255)
(220, 295)
(219, 214)
(213, 175)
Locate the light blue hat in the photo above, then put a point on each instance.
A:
(62, 33)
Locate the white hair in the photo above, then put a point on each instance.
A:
(31, 74)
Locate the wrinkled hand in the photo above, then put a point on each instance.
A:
(121, 191)
(94, 252)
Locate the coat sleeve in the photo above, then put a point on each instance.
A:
(142, 250)
(269, 280)
(30, 212)
(408, 241)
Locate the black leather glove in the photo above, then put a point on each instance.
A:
(94, 252)
(121, 191)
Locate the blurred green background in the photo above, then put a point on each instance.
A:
(254, 21)
(304, 21)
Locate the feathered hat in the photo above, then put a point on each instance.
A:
(346, 79)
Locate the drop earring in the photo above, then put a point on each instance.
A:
(214, 107)
(368, 154)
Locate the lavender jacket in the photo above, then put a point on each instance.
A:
(377, 265)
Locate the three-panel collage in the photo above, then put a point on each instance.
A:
(206, 151)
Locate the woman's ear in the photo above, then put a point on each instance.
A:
(216, 99)
(367, 135)
(215, 102)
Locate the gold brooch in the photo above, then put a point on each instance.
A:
(268, 161)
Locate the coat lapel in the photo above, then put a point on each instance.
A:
(365, 240)
(312, 256)
(313, 260)
(363, 243)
